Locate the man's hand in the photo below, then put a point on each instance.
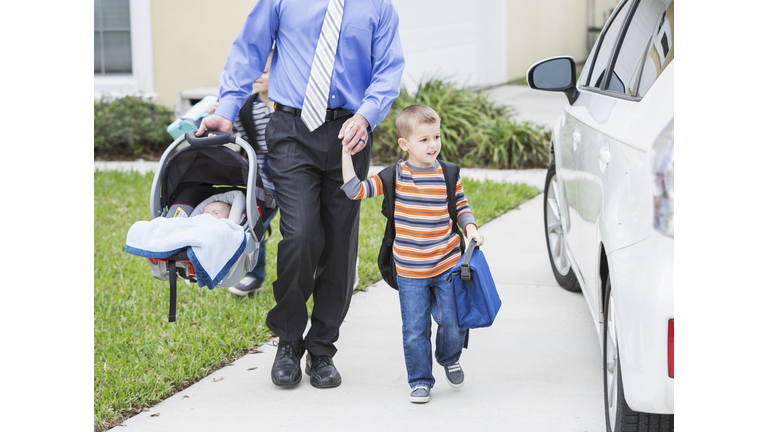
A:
(354, 133)
(474, 234)
(214, 123)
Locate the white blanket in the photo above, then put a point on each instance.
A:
(212, 245)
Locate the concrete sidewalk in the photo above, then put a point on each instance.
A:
(538, 368)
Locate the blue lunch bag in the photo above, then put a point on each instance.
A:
(477, 301)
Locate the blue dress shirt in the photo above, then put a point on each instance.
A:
(366, 72)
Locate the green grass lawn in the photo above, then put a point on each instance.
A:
(140, 358)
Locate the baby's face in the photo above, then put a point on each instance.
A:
(217, 209)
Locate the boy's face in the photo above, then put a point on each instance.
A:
(423, 145)
(261, 85)
(217, 209)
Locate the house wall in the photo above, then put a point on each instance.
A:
(479, 43)
(191, 41)
(453, 39)
(540, 29)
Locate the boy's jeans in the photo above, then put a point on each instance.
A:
(259, 271)
(417, 298)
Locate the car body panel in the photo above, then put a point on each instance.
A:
(613, 118)
(629, 205)
(643, 282)
(614, 211)
(602, 146)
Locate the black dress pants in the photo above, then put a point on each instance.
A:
(319, 224)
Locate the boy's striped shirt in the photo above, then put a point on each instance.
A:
(260, 118)
(425, 246)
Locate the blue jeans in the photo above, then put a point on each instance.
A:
(259, 272)
(419, 297)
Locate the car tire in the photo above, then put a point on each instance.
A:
(554, 233)
(619, 417)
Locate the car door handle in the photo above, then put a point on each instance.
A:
(605, 156)
(576, 140)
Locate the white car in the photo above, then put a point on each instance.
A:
(609, 204)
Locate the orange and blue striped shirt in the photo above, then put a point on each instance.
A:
(425, 246)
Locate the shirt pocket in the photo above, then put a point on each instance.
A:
(356, 44)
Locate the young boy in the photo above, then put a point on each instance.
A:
(425, 248)
(261, 113)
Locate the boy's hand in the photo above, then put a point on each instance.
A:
(354, 133)
(474, 234)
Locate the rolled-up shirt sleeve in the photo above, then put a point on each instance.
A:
(387, 70)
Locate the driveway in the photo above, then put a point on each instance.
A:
(538, 368)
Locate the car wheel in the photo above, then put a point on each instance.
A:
(555, 234)
(619, 417)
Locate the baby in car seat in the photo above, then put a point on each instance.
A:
(228, 205)
(218, 209)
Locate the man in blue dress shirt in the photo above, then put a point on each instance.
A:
(317, 255)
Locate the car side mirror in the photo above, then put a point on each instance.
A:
(555, 74)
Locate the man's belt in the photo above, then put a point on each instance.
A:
(330, 115)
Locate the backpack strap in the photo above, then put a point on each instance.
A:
(451, 174)
(388, 180)
(386, 261)
(246, 118)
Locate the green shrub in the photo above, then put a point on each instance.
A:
(129, 125)
(475, 131)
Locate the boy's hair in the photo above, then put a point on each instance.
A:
(411, 116)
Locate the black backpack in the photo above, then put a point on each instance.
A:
(246, 118)
(388, 180)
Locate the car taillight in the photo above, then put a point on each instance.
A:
(671, 348)
(663, 158)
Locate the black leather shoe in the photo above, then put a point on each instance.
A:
(286, 370)
(322, 373)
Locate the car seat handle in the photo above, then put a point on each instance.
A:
(209, 138)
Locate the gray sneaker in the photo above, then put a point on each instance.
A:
(455, 375)
(420, 394)
(248, 285)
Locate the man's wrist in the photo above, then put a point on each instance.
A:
(226, 109)
(368, 114)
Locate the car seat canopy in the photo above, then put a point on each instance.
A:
(192, 166)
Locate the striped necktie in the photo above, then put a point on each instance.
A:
(318, 87)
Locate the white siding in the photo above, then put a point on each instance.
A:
(462, 41)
